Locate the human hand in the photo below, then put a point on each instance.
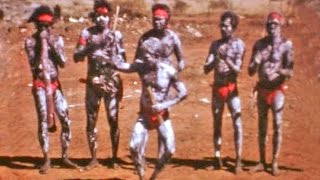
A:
(44, 34)
(181, 66)
(100, 54)
(158, 107)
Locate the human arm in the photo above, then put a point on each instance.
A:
(82, 49)
(236, 51)
(255, 60)
(30, 51)
(178, 53)
(56, 44)
(287, 65)
(181, 94)
(208, 65)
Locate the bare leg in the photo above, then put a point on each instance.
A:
(263, 124)
(277, 108)
(166, 134)
(112, 106)
(138, 143)
(92, 107)
(235, 110)
(44, 168)
(217, 111)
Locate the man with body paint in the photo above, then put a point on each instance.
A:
(102, 81)
(272, 60)
(170, 42)
(225, 58)
(43, 19)
(157, 76)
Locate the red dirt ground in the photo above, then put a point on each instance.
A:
(20, 154)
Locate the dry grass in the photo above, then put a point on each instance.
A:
(133, 8)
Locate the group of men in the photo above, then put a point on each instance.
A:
(102, 46)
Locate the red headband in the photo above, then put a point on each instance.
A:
(45, 18)
(274, 17)
(160, 13)
(102, 10)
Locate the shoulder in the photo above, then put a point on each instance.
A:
(238, 44)
(287, 43)
(260, 43)
(87, 31)
(55, 39)
(172, 34)
(30, 41)
(238, 41)
(146, 35)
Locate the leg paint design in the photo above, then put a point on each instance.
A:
(112, 106)
(41, 107)
(277, 109)
(167, 149)
(138, 143)
(217, 111)
(235, 110)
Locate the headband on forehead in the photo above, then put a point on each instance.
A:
(274, 17)
(101, 10)
(45, 18)
(160, 13)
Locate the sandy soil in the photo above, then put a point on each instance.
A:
(20, 155)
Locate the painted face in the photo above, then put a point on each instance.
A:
(102, 20)
(226, 29)
(159, 23)
(273, 29)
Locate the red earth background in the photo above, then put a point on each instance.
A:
(20, 154)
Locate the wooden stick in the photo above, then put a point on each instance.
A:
(153, 101)
(116, 18)
(47, 81)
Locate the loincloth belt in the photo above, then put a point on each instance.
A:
(222, 91)
(152, 119)
(40, 84)
(269, 94)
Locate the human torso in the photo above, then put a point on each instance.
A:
(159, 81)
(272, 59)
(222, 50)
(33, 46)
(100, 41)
(164, 45)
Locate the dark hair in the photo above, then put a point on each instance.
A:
(97, 4)
(163, 7)
(43, 9)
(233, 16)
(101, 3)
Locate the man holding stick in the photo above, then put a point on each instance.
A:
(45, 52)
(102, 81)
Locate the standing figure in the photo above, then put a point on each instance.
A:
(102, 81)
(157, 76)
(45, 51)
(225, 58)
(169, 40)
(272, 60)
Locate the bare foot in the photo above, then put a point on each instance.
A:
(258, 168)
(115, 164)
(93, 164)
(68, 163)
(238, 167)
(217, 163)
(275, 169)
(45, 167)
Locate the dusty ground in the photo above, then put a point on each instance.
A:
(20, 154)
